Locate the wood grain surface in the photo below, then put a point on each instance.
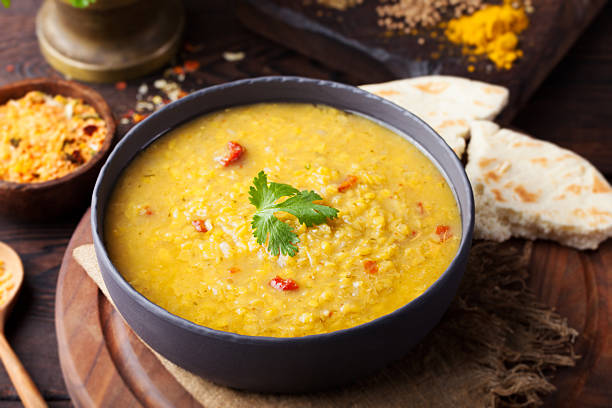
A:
(571, 108)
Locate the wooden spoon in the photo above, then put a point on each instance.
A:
(11, 278)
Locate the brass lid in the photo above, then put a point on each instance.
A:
(128, 40)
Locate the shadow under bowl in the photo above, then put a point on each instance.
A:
(297, 364)
(70, 193)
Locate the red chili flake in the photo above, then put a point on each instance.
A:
(182, 94)
(235, 152)
(121, 85)
(233, 270)
(279, 283)
(349, 182)
(138, 117)
(146, 210)
(10, 68)
(421, 208)
(199, 225)
(370, 267)
(90, 129)
(128, 114)
(191, 65)
(444, 232)
(178, 70)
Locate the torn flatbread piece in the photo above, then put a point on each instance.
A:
(448, 104)
(524, 187)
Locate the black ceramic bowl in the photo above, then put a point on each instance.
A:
(283, 364)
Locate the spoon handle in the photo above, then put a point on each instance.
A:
(29, 394)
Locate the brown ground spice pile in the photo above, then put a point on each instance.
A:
(404, 15)
(336, 4)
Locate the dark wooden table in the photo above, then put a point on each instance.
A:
(572, 108)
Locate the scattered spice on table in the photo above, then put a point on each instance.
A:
(121, 85)
(492, 31)
(137, 117)
(151, 98)
(233, 56)
(190, 47)
(191, 65)
(44, 137)
(154, 95)
(337, 4)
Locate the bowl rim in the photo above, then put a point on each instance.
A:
(194, 328)
(89, 96)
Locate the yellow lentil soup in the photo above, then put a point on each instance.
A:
(178, 222)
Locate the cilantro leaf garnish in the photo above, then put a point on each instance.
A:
(278, 234)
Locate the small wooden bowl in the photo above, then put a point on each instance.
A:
(70, 193)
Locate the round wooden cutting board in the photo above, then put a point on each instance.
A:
(104, 363)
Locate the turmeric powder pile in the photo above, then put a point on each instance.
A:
(492, 31)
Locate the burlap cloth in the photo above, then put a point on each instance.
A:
(495, 346)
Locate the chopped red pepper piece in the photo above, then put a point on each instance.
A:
(191, 65)
(279, 283)
(444, 232)
(137, 117)
(199, 225)
(349, 182)
(370, 267)
(235, 152)
(90, 129)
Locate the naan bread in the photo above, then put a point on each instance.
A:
(529, 188)
(447, 104)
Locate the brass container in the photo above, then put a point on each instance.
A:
(110, 40)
